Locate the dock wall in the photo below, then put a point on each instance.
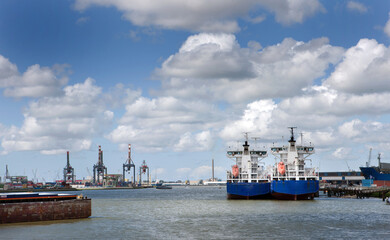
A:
(44, 211)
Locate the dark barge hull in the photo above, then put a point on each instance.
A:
(240, 197)
(17, 210)
(248, 190)
(294, 190)
(282, 196)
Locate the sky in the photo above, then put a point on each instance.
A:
(181, 81)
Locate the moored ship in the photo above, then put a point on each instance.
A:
(379, 175)
(247, 179)
(290, 179)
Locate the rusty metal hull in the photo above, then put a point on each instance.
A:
(45, 210)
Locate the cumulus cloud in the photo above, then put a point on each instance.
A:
(255, 119)
(365, 69)
(342, 153)
(325, 102)
(195, 142)
(203, 15)
(207, 56)
(387, 27)
(165, 123)
(57, 124)
(356, 6)
(292, 11)
(369, 131)
(214, 66)
(36, 81)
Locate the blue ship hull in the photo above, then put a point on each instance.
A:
(372, 173)
(294, 190)
(248, 190)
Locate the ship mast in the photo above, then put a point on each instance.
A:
(292, 134)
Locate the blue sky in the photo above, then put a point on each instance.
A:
(182, 80)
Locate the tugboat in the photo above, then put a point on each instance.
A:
(247, 180)
(290, 179)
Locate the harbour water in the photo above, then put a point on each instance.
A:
(205, 213)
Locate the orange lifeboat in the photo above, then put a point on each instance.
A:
(235, 170)
(281, 168)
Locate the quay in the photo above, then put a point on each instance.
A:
(358, 192)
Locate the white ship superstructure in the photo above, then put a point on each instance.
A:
(291, 165)
(247, 168)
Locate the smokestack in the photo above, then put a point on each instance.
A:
(212, 169)
(67, 159)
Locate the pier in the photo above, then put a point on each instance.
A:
(359, 192)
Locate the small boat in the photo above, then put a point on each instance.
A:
(161, 186)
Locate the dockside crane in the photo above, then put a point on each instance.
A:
(99, 170)
(68, 171)
(128, 165)
(368, 163)
(142, 170)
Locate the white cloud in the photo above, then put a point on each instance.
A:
(356, 6)
(364, 69)
(166, 123)
(213, 66)
(36, 81)
(292, 11)
(8, 72)
(255, 119)
(57, 124)
(195, 142)
(349, 130)
(324, 102)
(203, 15)
(370, 131)
(342, 153)
(387, 27)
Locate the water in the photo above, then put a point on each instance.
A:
(204, 213)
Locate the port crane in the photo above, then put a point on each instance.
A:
(99, 170)
(128, 165)
(68, 171)
(142, 170)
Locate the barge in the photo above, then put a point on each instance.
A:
(31, 207)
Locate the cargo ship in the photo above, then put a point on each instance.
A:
(290, 179)
(379, 175)
(247, 179)
(32, 206)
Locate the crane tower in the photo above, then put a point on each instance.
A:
(128, 165)
(144, 169)
(68, 171)
(99, 170)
